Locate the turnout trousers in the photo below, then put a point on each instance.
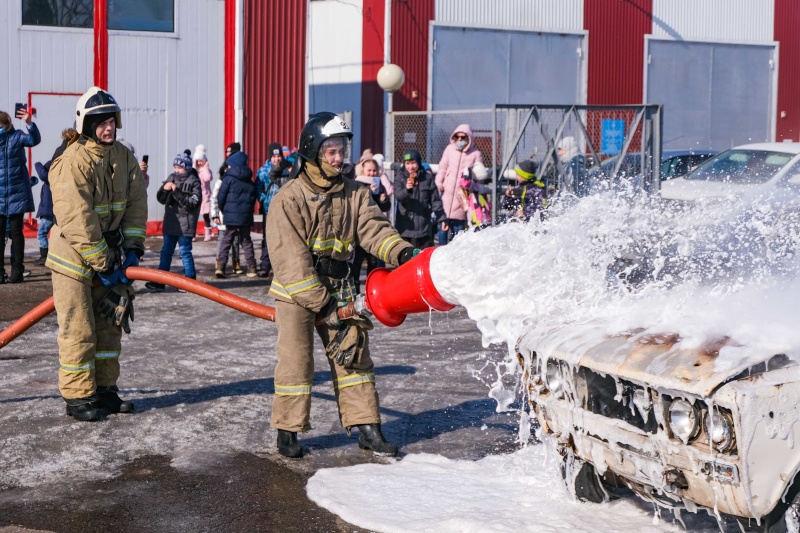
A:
(88, 345)
(355, 390)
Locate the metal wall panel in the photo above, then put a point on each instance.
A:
(274, 66)
(170, 89)
(410, 41)
(616, 49)
(335, 60)
(547, 15)
(744, 21)
(787, 22)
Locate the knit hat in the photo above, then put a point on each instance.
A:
(412, 155)
(200, 153)
(365, 155)
(286, 151)
(378, 158)
(274, 149)
(526, 169)
(182, 160)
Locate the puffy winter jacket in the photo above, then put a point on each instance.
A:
(414, 207)
(451, 168)
(96, 188)
(237, 194)
(206, 177)
(182, 204)
(16, 195)
(307, 220)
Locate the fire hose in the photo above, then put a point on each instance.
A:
(389, 296)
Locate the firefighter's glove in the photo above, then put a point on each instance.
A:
(117, 305)
(407, 254)
(131, 259)
(330, 314)
(348, 314)
(112, 278)
(347, 347)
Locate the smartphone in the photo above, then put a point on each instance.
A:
(376, 182)
(145, 158)
(17, 108)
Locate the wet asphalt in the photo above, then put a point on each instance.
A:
(199, 454)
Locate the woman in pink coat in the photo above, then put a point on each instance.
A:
(206, 177)
(459, 156)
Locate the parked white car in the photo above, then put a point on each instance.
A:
(671, 425)
(744, 170)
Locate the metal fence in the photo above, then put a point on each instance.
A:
(614, 142)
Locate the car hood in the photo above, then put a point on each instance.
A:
(652, 360)
(685, 189)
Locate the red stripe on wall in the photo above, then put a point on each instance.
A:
(787, 20)
(410, 34)
(100, 44)
(274, 74)
(616, 49)
(229, 127)
(372, 118)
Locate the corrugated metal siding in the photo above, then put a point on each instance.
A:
(747, 21)
(274, 66)
(564, 15)
(170, 89)
(372, 96)
(787, 22)
(616, 49)
(410, 32)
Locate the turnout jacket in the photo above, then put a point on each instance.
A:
(306, 220)
(96, 189)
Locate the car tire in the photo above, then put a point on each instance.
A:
(582, 481)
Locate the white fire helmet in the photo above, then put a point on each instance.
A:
(94, 102)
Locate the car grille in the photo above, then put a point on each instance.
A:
(600, 395)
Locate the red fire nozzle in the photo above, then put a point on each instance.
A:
(393, 294)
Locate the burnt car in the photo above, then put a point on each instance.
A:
(673, 425)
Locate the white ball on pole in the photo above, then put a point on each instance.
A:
(391, 77)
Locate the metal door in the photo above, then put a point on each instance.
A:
(715, 95)
(473, 68)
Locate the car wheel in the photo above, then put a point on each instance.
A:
(582, 481)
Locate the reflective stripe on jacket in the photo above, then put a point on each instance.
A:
(96, 188)
(307, 220)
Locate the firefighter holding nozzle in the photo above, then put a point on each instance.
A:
(100, 207)
(315, 223)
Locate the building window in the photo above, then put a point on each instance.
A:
(141, 15)
(60, 13)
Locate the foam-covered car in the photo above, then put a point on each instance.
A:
(676, 426)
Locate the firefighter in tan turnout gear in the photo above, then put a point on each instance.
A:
(100, 207)
(315, 223)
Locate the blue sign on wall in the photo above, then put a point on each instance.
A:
(613, 136)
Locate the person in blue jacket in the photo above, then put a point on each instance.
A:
(237, 201)
(16, 196)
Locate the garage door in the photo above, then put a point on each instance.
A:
(715, 95)
(475, 68)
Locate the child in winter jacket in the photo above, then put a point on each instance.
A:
(237, 200)
(418, 201)
(476, 195)
(268, 180)
(181, 196)
(527, 198)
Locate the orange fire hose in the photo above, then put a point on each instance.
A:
(166, 278)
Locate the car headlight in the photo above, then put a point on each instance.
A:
(554, 377)
(719, 427)
(684, 420)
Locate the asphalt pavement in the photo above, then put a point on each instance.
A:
(198, 455)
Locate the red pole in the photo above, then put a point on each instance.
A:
(101, 44)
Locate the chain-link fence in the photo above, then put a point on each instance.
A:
(611, 143)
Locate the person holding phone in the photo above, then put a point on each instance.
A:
(16, 196)
(418, 201)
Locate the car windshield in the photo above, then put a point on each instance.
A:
(742, 166)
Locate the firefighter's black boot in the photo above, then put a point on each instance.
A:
(109, 400)
(85, 409)
(288, 445)
(371, 438)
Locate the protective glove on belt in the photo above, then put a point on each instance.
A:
(117, 305)
(347, 346)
